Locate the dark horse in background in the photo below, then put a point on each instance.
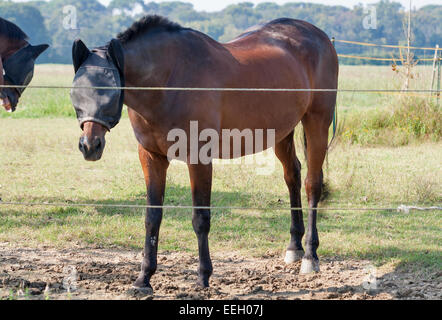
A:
(155, 52)
(17, 59)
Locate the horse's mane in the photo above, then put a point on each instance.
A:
(145, 24)
(11, 30)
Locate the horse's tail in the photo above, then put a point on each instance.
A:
(305, 144)
(325, 190)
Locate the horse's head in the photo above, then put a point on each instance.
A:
(18, 70)
(98, 109)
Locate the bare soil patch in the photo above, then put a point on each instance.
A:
(97, 273)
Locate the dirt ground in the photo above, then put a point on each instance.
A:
(96, 273)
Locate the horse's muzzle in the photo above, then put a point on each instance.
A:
(92, 148)
(8, 100)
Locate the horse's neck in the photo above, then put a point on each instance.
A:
(8, 47)
(4, 46)
(163, 61)
(154, 61)
(144, 66)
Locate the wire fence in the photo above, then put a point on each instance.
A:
(435, 50)
(431, 91)
(377, 59)
(401, 208)
(367, 44)
(349, 56)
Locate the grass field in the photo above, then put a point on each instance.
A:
(40, 162)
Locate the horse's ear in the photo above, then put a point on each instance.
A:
(38, 50)
(116, 53)
(79, 54)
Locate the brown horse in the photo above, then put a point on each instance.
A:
(154, 52)
(17, 59)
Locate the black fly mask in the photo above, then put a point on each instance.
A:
(101, 67)
(19, 70)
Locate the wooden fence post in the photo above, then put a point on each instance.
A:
(438, 81)
(335, 114)
(435, 64)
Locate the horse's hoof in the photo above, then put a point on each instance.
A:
(140, 291)
(293, 256)
(309, 266)
(202, 283)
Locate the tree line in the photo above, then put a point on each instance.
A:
(59, 22)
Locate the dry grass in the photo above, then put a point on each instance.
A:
(40, 162)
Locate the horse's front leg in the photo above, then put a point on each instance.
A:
(201, 184)
(155, 170)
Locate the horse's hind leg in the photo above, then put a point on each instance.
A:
(285, 151)
(155, 170)
(316, 125)
(201, 185)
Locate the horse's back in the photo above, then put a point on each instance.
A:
(309, 45)
(284, 32)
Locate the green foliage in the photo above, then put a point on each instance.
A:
(97, 24)
(29, 19)
(409, 119)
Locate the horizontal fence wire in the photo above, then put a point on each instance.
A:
(435, 49)
(431, 91)
(366, 44)
(386, 45)
(378, 59)
(403, 208)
